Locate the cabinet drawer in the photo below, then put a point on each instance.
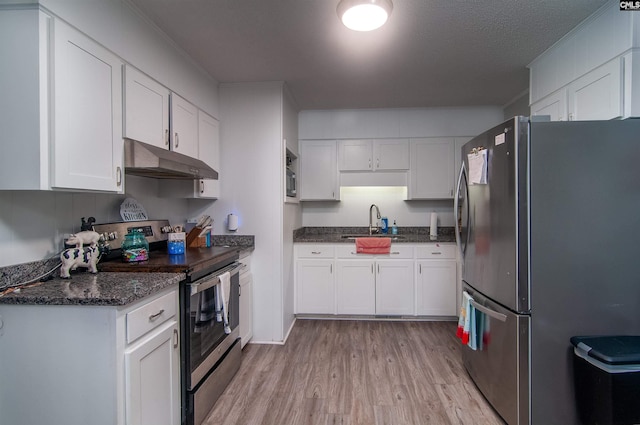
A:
(145, 318)
(397, 251)
(315, 251)
(436, 250)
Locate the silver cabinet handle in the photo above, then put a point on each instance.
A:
(118, 176)
(369, 163)
(201, 186)
(501, 317)
(176, 139)
(176, 338)
(316, 252)
(436, 253)
(378, 268)
(155, 316)
(331, 268)
(394, 253)
(371, 268)
(377, 163)
(166, 137)
(420, 266)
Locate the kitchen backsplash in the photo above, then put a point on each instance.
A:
(34, 223)
(353, 209)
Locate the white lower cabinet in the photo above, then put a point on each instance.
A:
(315, 287)
(355, 287)
(112, 365)
(413, 279)
(246, 302)
(152, 371)
(436, 285)
(152, 363)
(394, 287)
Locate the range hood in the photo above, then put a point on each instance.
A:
(142, 159)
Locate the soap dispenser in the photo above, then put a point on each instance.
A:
(394, 228)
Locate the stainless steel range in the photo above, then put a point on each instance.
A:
(210, 347)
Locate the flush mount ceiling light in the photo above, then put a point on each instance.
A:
(364, 15)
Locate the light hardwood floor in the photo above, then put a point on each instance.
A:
(355, 372)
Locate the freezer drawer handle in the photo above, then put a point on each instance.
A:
(501, 317)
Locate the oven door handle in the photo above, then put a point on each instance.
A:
(212, 280)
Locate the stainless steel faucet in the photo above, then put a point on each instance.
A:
(373, 229)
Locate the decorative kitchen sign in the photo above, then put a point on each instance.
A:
(131, 210)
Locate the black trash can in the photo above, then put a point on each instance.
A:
(607, 379)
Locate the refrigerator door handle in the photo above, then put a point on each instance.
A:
(456, 201)
(501, 317)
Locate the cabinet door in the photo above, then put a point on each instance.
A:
(318, 170)
(184, 126)
(598, 94)
(391, 154)
(431, 175)
(246, 307)
(395, 287)
(554, 105)
(355, 287)
(209, 152)
(146, 109)
(436, 288)
(152, 379)
(87, 143)
(355, 155)
(457, 157)
(315, 287)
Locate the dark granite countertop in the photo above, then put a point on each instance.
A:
(405, 234)
(106, 288)
(101, 289)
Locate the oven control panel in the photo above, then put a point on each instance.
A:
(114, 232)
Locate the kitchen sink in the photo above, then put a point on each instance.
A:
(377, 235)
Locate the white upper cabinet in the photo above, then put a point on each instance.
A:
(319, 170)
(554, 105)
(87, 142)
(598, 94)
(146, 109)
(209, 152)
(457, 157)
(62, 107)
(431, 175)
(391, 154)
(589, 73)
(373, 155)
(184, 126)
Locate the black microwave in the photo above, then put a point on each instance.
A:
(291, 184)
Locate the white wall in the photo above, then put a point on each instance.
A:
(33, 223)
(252, 188)
(353, 208)
(409, 122)
(292, 215)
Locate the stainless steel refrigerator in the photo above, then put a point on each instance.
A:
(549, 234)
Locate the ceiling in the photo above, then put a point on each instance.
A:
(430, 53)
